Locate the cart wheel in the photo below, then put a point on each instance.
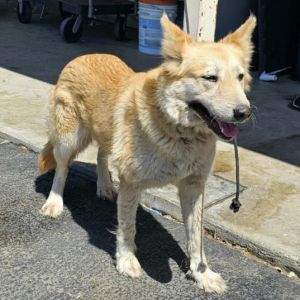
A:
(64, 14)
(120, 28)
(66, 30)
(26, 15)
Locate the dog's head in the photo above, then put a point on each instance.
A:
(206, 81)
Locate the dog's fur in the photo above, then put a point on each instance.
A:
(144, 121)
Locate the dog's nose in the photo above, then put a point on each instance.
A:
(242, 112)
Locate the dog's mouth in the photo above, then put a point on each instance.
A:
(224, 130)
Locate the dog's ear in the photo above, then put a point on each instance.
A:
(174, 40)
(242, 38)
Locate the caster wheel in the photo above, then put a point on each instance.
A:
(63, 14)
(66, 30)
(26, 14)
(120, 28)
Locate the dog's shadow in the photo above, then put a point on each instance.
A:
(98, 217)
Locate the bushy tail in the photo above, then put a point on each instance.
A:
(46, 160)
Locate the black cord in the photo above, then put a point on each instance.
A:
(236, 204)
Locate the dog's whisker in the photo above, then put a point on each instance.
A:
(254, 107)
(112, 231)
(213, 119)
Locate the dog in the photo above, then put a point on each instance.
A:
(158, 127)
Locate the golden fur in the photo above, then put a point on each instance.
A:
(145, 122)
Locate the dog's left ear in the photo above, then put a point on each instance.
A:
(242, 38)
(174, 40)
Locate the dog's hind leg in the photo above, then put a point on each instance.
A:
(191, 199)
(128, 200)
(68, 137)
(64, 150)
(105, 188)
(54, 204)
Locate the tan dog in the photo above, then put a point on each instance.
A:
(159, 127)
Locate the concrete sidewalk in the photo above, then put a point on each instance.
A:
(268, 221)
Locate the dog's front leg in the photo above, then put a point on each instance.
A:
(190, 193)
(128, 200)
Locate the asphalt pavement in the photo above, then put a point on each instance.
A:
(72, 257)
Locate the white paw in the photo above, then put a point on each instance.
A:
(52, 208)
(129, 265)
(210, 281)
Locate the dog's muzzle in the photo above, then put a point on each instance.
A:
(224, 130)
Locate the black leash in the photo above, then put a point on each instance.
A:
(236, 204)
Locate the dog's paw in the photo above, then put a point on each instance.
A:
(52, 208)
(129, 265)
(210, 281)
(106, 193)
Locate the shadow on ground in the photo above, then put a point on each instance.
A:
(156, 246)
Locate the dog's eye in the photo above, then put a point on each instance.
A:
(212, 78)
(241, 77)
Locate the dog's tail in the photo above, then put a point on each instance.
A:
(46, 160)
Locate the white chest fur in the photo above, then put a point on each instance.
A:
(186, 157)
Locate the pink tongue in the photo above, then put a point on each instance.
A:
(228, 129)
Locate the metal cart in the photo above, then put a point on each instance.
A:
(26, 7)
(75, 12)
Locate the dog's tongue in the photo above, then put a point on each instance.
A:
(228, 129)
